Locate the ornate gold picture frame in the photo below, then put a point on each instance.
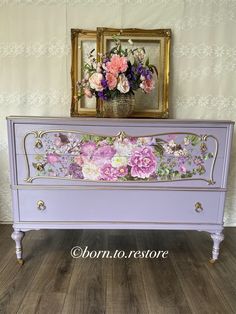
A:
(157, 45)
(82, 41)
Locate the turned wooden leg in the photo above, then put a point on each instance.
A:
(17, 236)
(217, 238)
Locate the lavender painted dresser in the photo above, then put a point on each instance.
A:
(87, 173)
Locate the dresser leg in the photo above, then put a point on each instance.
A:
(217, 238)
(17, 236)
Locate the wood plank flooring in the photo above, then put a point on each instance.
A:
(51, 281)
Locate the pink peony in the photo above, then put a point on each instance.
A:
(143, 162)
(147, 85)
(111, 81)
(87, 149)
(117, 65)
(95, 81)
(103, 154)
(123, 84)
(52, 158)
(108, 173)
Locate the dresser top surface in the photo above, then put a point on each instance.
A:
(110, 121)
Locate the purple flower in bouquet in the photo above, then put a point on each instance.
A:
(102, 96)
(143, 162)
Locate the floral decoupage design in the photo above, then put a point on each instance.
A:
(165, 157)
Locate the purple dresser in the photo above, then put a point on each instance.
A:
(84, 173)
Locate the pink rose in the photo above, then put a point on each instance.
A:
(58, 142)
(111, 81)
(117, 64)
(147, 85)
(88, 93)
(99, 67)
(78, 160)
(52, 158)
(95, 81)
(123, 84)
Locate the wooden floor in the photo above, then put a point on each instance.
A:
(51, 281)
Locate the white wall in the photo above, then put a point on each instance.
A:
(35, 60)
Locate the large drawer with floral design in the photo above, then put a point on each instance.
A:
(119, 206)
(156, 154)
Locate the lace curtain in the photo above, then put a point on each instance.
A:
(35, 61)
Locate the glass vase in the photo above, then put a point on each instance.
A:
(120, 106)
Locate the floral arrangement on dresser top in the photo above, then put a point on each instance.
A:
(123, 158)
(121, 71)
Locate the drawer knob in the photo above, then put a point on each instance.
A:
(41, 205)
(38, 143)
(39, 166)
(198, 207)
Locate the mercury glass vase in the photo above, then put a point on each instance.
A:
(120, 106)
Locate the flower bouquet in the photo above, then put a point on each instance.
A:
(117, 75)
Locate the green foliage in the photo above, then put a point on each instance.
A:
(147, 62)
(194, 139)
(159, 150)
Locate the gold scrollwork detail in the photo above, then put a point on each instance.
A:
(121, 135)
(38, 143)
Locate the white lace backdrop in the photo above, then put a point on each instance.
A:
(35, 61)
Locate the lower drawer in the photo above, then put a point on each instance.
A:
(120, 206)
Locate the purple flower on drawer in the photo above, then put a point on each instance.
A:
(143, 162)
(52, 158)
(75, 171)
(122, 171)
(108, 173)
(103, 154)
(88, 148)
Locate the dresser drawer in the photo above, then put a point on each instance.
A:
(38, 138)
(153, 155)
(120, 205)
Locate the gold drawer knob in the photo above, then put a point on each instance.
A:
(38, 144)
(39, 166)
(41, 205)
(198, 207)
